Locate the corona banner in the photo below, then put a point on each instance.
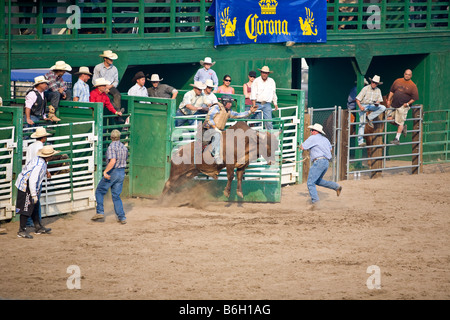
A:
(269, 21)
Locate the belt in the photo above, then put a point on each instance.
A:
(318, 158)
(261, 102)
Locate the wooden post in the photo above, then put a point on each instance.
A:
(376, 151)
(306, 134)
(344, 146)
(416, 139)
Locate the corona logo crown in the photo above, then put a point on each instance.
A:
(268, 6)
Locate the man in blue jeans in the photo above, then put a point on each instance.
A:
(113, 176)
(320, 153)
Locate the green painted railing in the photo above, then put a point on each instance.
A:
(436, 136)
(139, 18)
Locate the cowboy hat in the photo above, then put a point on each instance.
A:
(376, 79)
(109, 54)
(138, 75)
(83, 70)
(61, 65)
(209, 83)
(265, 69)
(226, 98)
(47, 151)
(317, 127)
(39, 80)
(208, 61)
(40, 132)
(155, 78)
(101, 82)
(198, 85)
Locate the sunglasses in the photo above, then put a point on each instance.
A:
(228, 80)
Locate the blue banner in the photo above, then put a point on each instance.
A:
(269, 21)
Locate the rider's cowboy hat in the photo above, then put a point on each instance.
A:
(155, 78)
(83, 70)
(40, 132)
(208, 61)
(199, 85)
(376, 79)
(209, 83)
(109, 54)
(61, 65)
(47, 151)
(265, 69)
(39, 80)
(138, 75)
(101, 82)
(226, 98)
(317, 127)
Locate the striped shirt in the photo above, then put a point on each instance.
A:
(111, 73)
(368, 95)
(33, 174)
(55, 82)
(81, 90)
(118, 151)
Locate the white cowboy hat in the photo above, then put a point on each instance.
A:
(39, 80)
(40, 132)
(209, 83)
(61, 65)
(376, 79)
(155, 78)
(207, 60)
(83, 70)
(109, 54)
(317, 127)
(101, 82)
(199, 85)
(47, 151)
(265, 69)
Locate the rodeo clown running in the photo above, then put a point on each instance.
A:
(216, 119)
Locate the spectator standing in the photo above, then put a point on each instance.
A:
(206, 72)
(113, 177)
(247, 88)
(263, 95)
(139, 88)
(81, 88)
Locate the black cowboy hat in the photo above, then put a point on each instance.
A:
(138, 75)
(227, 98)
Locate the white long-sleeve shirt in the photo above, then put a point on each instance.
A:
(264, 90)
(32, 150)
(33, 174)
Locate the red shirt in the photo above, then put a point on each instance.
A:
(97, 96)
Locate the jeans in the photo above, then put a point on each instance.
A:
(116, 184)
(316, 173)
(54, 97)
(33, 118)
(180, 122)
(266, 114)
(376, 111)
(30, 222)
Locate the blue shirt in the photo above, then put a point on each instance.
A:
(202, 75)
(81, 90)
(118, 151)
(318, 146)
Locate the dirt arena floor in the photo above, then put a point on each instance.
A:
(397, 224)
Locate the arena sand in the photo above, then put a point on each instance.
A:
(204, 250)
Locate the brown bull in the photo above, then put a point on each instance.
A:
(248, 145)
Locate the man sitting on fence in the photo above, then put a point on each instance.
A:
(369, 100)
(81, 88)
(99, 95)
(57, 87)
(159, 90)
(192, 104)
(35, 102)
(138, 89)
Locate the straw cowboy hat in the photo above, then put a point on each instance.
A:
(376, 79)
(101, 82)
(40, 132)
(199, 85)
(47, 151)
(265, 69)
(155, 78)
(39, 80)
(109, 54)
(83, 70)
(61, 65)
(317, 127)
(138, 75)
(209, 83)
(208, 61)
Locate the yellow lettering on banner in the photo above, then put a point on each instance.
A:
(255, 27)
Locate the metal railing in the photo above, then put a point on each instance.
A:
(174, 18)
(436, 136)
